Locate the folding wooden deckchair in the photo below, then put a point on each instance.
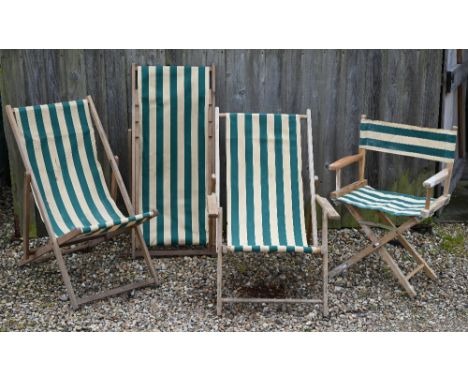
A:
(58, 147)
(264, 190)
(418, 142)
(173, 157)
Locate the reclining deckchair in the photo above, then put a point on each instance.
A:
(58, 147)
(264, 192)
(418, 142)
(173, 157)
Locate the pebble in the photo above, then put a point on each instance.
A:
(364, 298)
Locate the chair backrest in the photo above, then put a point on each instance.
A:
(173, 104)
(419, 142)
(264, 188)
(59, 143)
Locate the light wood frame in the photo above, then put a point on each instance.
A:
(328, 212)
(134, 135)
(74, 241)
(394, 232)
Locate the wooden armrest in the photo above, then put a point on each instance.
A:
(434, 180)
(435, 205)
(212, 205)
(347, 189)
(346, 161)
(327, 208)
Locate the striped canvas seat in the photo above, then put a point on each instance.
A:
(265, 210)
(391, 203)
(394, 138)
(173, 114)
(419, 142)
(61, 148)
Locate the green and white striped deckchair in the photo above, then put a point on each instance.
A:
(172, 138)
(264, 193)
(58, 147)
(412, 141)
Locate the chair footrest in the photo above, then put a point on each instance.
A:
(115, 291)
(277, 300)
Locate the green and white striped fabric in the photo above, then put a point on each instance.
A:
(60, 144)
(391, 203)
(174, 103)
(413, 141)
(265, 210)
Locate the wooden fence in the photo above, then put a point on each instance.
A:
(338, 85)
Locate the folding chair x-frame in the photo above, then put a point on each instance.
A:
(425, 143)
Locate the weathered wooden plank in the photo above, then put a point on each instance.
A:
(74, 70)
(52, 75)
(338, 86)
(4, 170)
(235, 80)
(117, 107)
(255, 71)
(272, 82)
(457, 75)
(13, 92)
(95, 71)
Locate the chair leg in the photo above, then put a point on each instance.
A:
(65, 275)
(26, 209)
(325, 263)
(219, 271)
(219, 283)
(378, 246)
(146, 253)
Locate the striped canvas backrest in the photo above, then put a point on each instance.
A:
(265, 204)
(60, 145)
(174, 102)
(413, 141)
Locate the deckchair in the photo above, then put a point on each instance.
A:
(265, 196)
(173, 158)
(412, 141)
(58, 148)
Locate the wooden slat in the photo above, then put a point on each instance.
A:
(115, 291)
(337, 85)
(177, 252)
(271, 300)
(116, 100)
(13, 92)
(327, 208)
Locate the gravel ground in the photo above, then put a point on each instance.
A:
(366, 298)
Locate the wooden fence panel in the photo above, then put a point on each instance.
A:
(337, 85)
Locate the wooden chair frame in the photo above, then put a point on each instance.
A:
(134, 136)
(328, 212)
(394, 232)
(72, 241)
